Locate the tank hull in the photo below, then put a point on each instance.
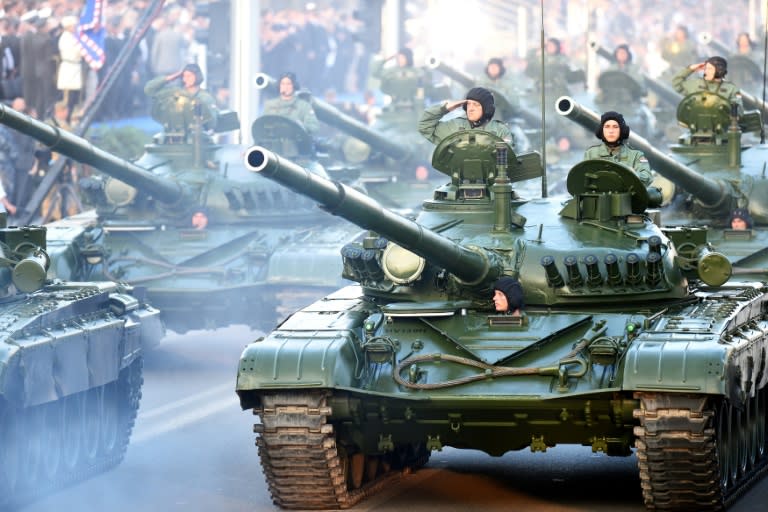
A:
(496, 386)
(70, 384)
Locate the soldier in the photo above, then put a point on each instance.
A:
(713, 80)
(289, 105)
(740, 219)
(404, 83)
(173, 104)
(613, 131)
(508, 296)
(479, 107)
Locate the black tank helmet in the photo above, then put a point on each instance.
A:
(499, 63)
(292, 77)
(485, 98)
(613, 116)
(721, 66)
(195, 70)
(510, 287)
(743, 214)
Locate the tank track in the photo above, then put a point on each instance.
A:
(696, 452)
(305, 465)
(39, 466)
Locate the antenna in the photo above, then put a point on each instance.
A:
(765, 65)
(544, 185)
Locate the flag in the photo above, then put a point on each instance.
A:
(91, 33)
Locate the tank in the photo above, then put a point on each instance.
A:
(627, 342)
(708, 173)
(70, 370)
(264, 251)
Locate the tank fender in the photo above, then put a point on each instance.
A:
(71, 357)
(733, 365)
(317, 359)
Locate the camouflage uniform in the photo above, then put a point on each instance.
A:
(435, 130)
(295, 108)
(622, 154)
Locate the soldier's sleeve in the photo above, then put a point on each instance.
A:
(430, 120)
(154, 86)
(642, 168)
(678, 81)
(309, 119)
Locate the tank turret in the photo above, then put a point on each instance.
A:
(186, 220)
(712, 178)
(602, 332)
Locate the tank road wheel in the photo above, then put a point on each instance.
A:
(371, 467)
(761, 413)
(356, 470)
(10, 451)
(53, 440)
(110, 419)
(305, 466)
(32, 445)
(72, 431)
(743, 438)
(92, 410)
(726, 446)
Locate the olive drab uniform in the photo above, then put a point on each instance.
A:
(686, 86)
(295, 108)
(435, 130)
(622, 154)
(174, 106)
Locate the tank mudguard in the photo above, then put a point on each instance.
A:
(700, 351)
(320, 359)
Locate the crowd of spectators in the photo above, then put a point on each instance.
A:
(42, 70)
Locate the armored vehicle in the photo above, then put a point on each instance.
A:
(709, 173)
(262, 252)
(70, 369)
(624, 340)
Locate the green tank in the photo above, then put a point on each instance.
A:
(708, 174)
(626, 342)
(70, 369)
(264, 251)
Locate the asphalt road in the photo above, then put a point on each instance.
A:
(193, 451)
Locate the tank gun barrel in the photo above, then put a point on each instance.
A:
(601, 51)
(469, 266)
(705, 38)
(457, 75)
(81, 150)
(706, 190)
(329, 114)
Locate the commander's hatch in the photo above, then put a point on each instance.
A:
(469, 158)
(603, 190)
(284, 136)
